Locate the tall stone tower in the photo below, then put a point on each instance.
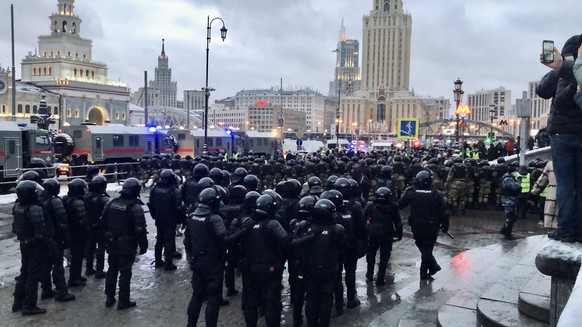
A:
(347, 68)
(165, 90)
(386, 42)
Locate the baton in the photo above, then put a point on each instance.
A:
(450, 235)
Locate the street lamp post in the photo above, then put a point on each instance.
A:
(492, 113)
(458, 92)
(206, 89)
(337, 115)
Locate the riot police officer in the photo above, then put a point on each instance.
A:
(124, 228)
(190, 189)
(96, 201)
(30, 229)
(204, 243)
(383, 224)
(230, 212)
(78, 223)
(56, 222)
(510, 191)
(318, 261)
(456, 185)
(166, 208)
(427, 216)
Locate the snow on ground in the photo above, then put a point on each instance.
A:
(10, 198)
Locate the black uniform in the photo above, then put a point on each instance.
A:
(124, 228)
(383, 223)
(427, 216)
(204, 243)
(56, 221)
(30, 229)
(166, 209)
(262, 268)
(78, 223)
(317, 261)
(230, 212)
(95, 203)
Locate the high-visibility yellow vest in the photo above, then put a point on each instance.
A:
(525, 182)
(476, 155)
(467, 153)
(544, 193)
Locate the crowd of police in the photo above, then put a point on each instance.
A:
(316, 216)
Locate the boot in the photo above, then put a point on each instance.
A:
(159, 263)
(434, 269)
(352, 303)
(423, 272)
(110, 301)
(32, 311)
(100, 274)
(126, 305)
(65, 298)
(48, 294)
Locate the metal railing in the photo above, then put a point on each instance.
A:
(49, 171)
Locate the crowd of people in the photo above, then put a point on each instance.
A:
(314, 215)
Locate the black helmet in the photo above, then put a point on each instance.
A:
(77, 187)
(541, 164)
(98, 184)
(457, 160)
(168, 177)
(354, 187)
(306, 204)
(423, 180)
(313, 181)
(251, 199)
(381, 161)
(205, 182)
(283, 188)
(26, 192)
(448, 163)
(514, 164)
(200, 170)
(415, 161)
(52, 186)
(330, 182)
(434, 161)
(386, 172)
(369, 161)
(216, 175)
(500, 160)
(131, 187)
(225, 178)
(239, 175)
(295, 188)
(266, 205)
(397, 158)
(237, 194)
(188, 157)
(251, 182)
(467, 162)
(275, 195)
(334, 196)
(343, 185)
(31, 175)
(92, 170)
(210, 197)
(177, 156)
(323, 210)
(484, 163)
(383, 195)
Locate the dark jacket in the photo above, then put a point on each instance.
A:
(124, 226)
(565, 115)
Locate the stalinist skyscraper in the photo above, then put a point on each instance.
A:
(386, 38)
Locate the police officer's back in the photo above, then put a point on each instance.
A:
(124, 227)
(30, 229)
(204, 243)
(78, 223)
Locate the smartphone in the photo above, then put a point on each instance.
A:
(548, 51)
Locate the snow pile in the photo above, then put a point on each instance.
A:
(555, 250)
(11, 198)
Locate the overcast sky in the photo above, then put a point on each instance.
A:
(486, 43)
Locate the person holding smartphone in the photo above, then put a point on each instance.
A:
(565, 129)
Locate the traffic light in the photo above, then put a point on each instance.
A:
(491, 136)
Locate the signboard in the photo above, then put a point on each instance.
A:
(299, 143)
(408, 128)
(357, 131)
(299, 134)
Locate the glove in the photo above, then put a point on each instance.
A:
(445, 228)
(399, 233)
(143, 245)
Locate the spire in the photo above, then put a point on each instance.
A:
(342, 34)
(163, 54)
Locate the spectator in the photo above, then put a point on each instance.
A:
(510, 146)
(530, 143)
(546, 183)
(565, 129)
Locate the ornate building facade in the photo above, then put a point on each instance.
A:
(64, 65)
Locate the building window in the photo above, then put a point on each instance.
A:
(117, 116)
(19, 108)
(56, 110)
(34, 71)
(87, 73)
(133, 140)
(44, 71)
(50, 71)
(34, 109)
(68, 113)
(123, 116)
(77, 113)
(58, 53)
(93, 74)
(64, 29)
(75, 72)
(77, 55)
(27, 109)
(68, 53)
(117, 140)
(3, 109)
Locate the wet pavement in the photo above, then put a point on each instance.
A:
(162, 297)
